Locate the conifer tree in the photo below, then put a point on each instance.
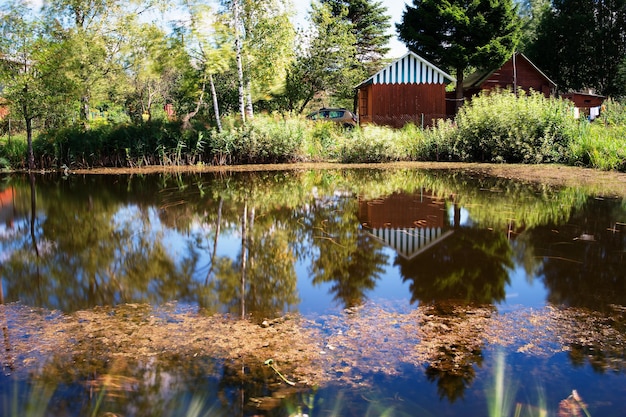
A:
(457, 35)
(370, 24)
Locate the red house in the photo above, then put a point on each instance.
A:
(409, 89)
(516, 73)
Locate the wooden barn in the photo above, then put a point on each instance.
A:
(516, 73)
(409, 89)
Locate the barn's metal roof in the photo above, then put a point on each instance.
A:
(410, 69)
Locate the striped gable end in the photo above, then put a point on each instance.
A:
(410, 69)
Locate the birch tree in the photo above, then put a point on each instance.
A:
(211, 52)
(263, 39)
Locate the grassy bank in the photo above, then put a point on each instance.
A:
(492, 128)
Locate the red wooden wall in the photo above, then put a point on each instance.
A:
(398, 104)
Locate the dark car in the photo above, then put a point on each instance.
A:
(341, 116)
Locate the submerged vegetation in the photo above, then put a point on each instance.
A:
(498, 128)
(114, 349)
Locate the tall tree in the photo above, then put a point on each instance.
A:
(210, 51)
(325, 63)
(82, 26)
(144, 64)
(28, 67)
(263, 37)
(268, 49)
(237, 28)
(457, 35)
(369, 24)
(581, 43)
(531, 13)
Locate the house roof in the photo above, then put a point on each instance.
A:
(410, 69)
(476, 79)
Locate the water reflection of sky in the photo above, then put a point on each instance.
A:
(554, 258)
(523, 291)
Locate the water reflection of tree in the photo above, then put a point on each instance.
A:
(581, 263)
(345, 256)
(583, 259)
(261, 278)
(470, 265)
(99, 261)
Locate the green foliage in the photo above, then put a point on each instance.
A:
(496, 127)
(370, 25)
(602, 147)
(581, 44)
(500, 127)
(531, 13)
(323, 141)
(456, 35)
(613, 113)
(13, 152)
(264, 139)
(371, 144)
(326, 62)
(155, 143)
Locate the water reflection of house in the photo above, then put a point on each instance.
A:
(408, 223)
(6, 205)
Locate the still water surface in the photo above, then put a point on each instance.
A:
(433, 293)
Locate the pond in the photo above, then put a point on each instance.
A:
(331, 292)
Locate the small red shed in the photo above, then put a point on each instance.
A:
(585, 104)
(409, 89)
(4, 108)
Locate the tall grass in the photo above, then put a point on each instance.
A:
(264, 139)
(495, 127)
(600, 146)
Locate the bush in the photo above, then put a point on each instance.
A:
(371, 144)
(437, 142)
(613, 113)
(500, 127)
(323, 141)
(13, 153)
(264, 139)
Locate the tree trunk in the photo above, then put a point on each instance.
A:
(199, 103)
(242, 103)
(216, 107)
(84, 109)
(249, 108)
(459, 90)
(217, 235)
(244, 256)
